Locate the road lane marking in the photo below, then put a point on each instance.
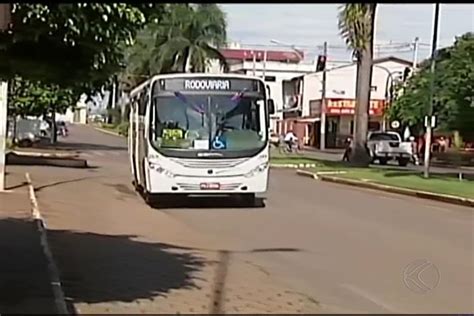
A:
(370, 297)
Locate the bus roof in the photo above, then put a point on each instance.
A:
(191, 75)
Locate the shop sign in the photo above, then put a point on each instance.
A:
(347, 106)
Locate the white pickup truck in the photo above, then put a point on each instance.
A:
(385, 146)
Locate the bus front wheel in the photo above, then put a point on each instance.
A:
(248, 199)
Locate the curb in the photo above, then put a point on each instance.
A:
(103, 130)
(43, 155)
(463, 168)
(59, 298)
(419, 194)
(293, 165)
(307, 174)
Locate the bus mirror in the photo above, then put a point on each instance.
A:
(271, 106)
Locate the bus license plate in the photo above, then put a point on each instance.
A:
(210, 186)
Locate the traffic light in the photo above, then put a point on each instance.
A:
(406, 73)
(321, 65)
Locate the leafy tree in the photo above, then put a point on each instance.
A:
(36, 98)
(188, 37)
(356, 24)
(71, 43)
(453, 92)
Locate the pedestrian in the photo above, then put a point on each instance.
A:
(290, 138)
(347, 150)
(414, 148)
(442, 144)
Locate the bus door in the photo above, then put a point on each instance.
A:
(141, 139)
(132, 144)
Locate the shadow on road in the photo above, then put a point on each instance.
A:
(62, 162)
(66, 145)
(101, 268)
(214, 202)
(24, 283)
(37, 189)
(73, 146)
(17, 186)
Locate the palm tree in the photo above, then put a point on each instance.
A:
(186, 38)
(356, 24)
(194, 35)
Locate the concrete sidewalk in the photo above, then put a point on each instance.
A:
(24, 282)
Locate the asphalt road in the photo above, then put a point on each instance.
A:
(351, 250)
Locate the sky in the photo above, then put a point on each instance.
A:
(307, 26)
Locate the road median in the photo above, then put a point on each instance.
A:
(391, 189)
(40, 159)
(44, 154)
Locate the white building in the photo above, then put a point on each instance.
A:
(276, 74)
(278, 67)
(305, 115)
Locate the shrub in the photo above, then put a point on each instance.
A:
(123, 128)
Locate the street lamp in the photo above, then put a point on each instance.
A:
(293, 47)
(388, 90)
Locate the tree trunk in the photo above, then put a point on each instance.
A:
(186, 59)
(360, 155)
(54, 136)
(14, 128)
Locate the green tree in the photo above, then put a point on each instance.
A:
(72, 43)
(188, 37)
(453, 93)
(356, 24)
(37, 98)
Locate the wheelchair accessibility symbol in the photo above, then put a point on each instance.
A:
(218, 143)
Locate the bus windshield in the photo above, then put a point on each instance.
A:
(224, 122)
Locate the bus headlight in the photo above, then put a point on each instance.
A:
(159, 169)
(260, 168)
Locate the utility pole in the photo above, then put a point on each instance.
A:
(254, 61)
(415, 52)
(428, 121)
(264, 63)
(322, 138)
(5, 20)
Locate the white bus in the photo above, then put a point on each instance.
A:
(200, 134)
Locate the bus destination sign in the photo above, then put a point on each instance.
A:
(209, 84)
(206, 84)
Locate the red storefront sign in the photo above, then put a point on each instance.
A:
(347, 106)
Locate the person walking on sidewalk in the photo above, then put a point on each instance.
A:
(414, 148)
(348, 149)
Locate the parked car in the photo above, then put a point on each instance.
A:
(385, 146)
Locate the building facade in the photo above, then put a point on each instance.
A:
(305, 116)
(277, 68)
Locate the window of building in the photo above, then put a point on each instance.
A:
(374, 126)
(352, 127)
(373, 88)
